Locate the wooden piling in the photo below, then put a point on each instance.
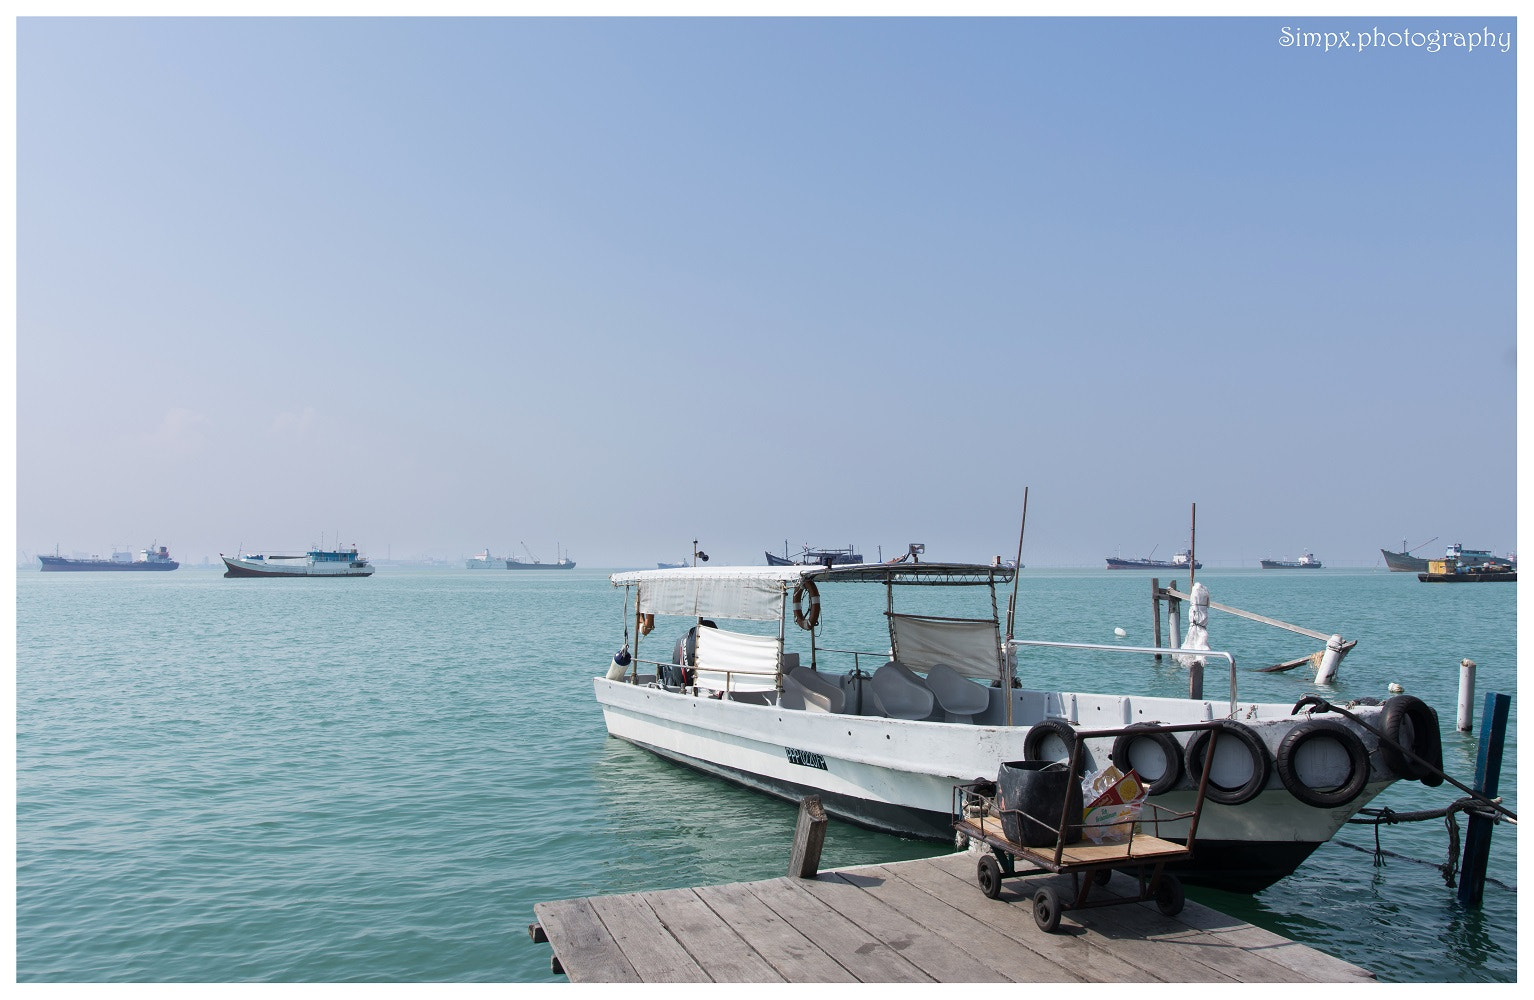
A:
(1156, 613)
(809, 838)
(1488, 772)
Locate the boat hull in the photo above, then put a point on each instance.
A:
(898, 776)
(1280, 564)
(562, 564)
(1471, 576)
(1400, 562)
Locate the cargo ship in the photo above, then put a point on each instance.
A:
(1404, 561)
(483, 560)
(1306, 561)
(563, 562)
(315, 562)
(1177, 562)
(151, 559)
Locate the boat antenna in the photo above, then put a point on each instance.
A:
(1012, 601)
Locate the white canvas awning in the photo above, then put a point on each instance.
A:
(747, 593)
(973, 648)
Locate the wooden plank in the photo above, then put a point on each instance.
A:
(1140, 848)
(976, 938)
(867, 958)
(590, 953)
(1316, 965)
(1073, 955)
(856, 897)
(795, 957)
(720, 952)
(656, 956)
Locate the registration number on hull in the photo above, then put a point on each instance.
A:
(805, 758)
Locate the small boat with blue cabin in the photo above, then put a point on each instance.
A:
(314, 563)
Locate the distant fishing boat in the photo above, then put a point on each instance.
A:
(816, 557)
(1307, 560)
(315, 562)
(1179, 561)
(149, 559)
(1404, 561)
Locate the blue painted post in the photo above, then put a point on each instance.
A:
(1488, 770)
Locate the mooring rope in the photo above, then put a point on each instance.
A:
(1389, 817)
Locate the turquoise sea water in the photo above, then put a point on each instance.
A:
(376, 779)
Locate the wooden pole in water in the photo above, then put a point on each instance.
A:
(809, 838)
(1192, 545)
(1488, 771)
(1156, 614)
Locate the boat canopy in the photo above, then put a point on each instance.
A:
(747, 593)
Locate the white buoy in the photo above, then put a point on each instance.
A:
(1395, 688)
(1463, 720)
(1330, 660)
(1120, 633)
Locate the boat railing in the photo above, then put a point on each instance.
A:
(729, 675)
(1161, 651)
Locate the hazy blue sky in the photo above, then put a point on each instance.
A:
(617, 284)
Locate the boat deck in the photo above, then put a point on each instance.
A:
(914, 921)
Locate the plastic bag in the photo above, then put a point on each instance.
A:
(1114, 800)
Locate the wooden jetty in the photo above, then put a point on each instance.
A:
(912, 921)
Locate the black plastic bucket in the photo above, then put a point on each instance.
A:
(1040, 789)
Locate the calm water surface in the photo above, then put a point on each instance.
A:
(375, 780)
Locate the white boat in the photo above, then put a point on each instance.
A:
(484, 560)
(883, 736)
(315, 562)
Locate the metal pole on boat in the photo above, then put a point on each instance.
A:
(1009, 663)
(1012, 602)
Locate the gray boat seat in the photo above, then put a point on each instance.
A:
(961, 698)
(900, 693)
(806, 689)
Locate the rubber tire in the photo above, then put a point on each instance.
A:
(1426, 741)
(1262, 761)
(1033, 742)
(1358, 763)
(1169, 895)
(1046, 910)
(1169, 748)
(1102, 876)
(988, 874)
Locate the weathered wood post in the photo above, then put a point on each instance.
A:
(1488, 771)
(1156, 613)
(809, 837)
(1174, 621)
(1464, 721)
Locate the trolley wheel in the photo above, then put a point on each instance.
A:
(1169, 895)
(1102, 876)
(988, 874)
(1046, 910)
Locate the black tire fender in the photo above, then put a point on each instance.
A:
(1323, 729)
(1425, 740)
(1033, 742)
(1262, 763)
(1165, 742)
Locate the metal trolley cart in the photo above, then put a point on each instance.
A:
(977, 815)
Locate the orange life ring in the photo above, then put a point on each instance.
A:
(806, 620)
(644, 624)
